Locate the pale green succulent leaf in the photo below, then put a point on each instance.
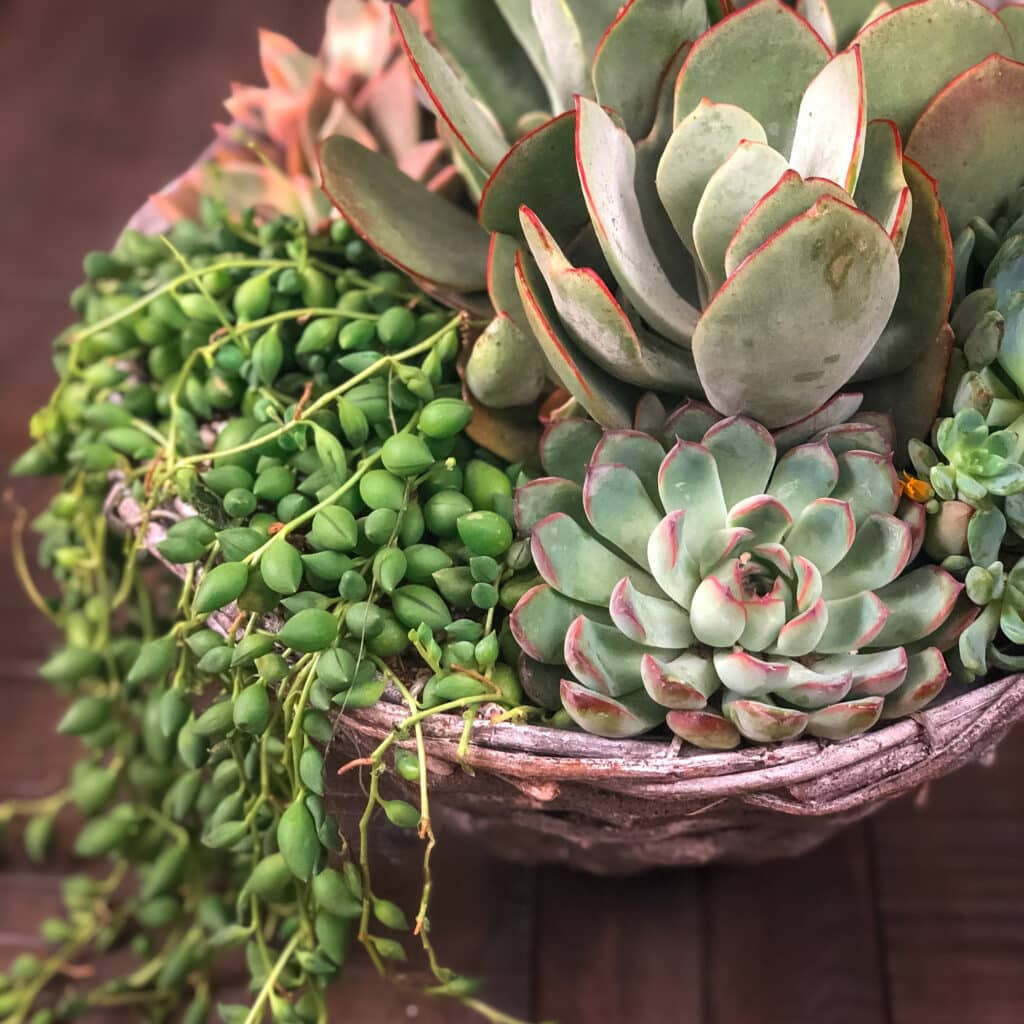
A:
(926, 272)
(765, 618)
(688, 481)
(926, 676)
(969, 136)
(765, 518)
(608, 717)
(873, 675)
(738, 62)
(519, 18)
(762, 721)
(421, 232)
(506, 368)
(788, 329)
(594, 18)
(606, 399)
(672, 567)
(860, 437)
(752, 170)
(473, 124)
(619, 509)
(606, 161)
(802, 475)
(1011, 352)
(717, 618)
(879, 553)
(700, 144)
(576, 564)
(868, 482)
(542, 618)
(838, 409)
(748, 675)
(564, 51)
(846, 719)
(632, 448)
(707, 730)
(649, 620)
(981, 345)
(600, 326)
(985, 533)
(631, 61)
(802, 634)
(882, 190)
(539, 498)
(690, 422)
(808, 584)
(830, 124)
(918, 603)
(817, 687)
(838, 21)
(1012, 16)
(744, 453)
(477, 38)
(788, 198)
(683, 683)
(973, 645)
(501, 279)
(911, 54)
(853, 622)
(728, 542)
(567, 446)
(677, 261)
(602, 658)
(539, 171)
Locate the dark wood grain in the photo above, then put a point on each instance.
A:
(916, 917)
(951, 896)
(620, 949)
(796, 938)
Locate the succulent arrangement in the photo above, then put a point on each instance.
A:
(673, 384)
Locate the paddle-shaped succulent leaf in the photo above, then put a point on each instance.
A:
(722, 212)
(728, 589)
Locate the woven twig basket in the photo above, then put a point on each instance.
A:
(539, 795)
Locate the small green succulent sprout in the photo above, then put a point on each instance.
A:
(979, 463)
(1000, 596)
(723, 589)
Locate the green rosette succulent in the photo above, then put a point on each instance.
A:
(723, 588)
(735, 212)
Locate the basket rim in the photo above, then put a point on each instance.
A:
(558, 754)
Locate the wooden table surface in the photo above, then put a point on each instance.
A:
(916, 916)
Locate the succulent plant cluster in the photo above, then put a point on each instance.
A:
(735, 212)
(726, 589)
(764, 209)
(974, 464)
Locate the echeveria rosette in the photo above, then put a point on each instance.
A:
(725, 589)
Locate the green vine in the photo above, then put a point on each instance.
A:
(287, 434)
